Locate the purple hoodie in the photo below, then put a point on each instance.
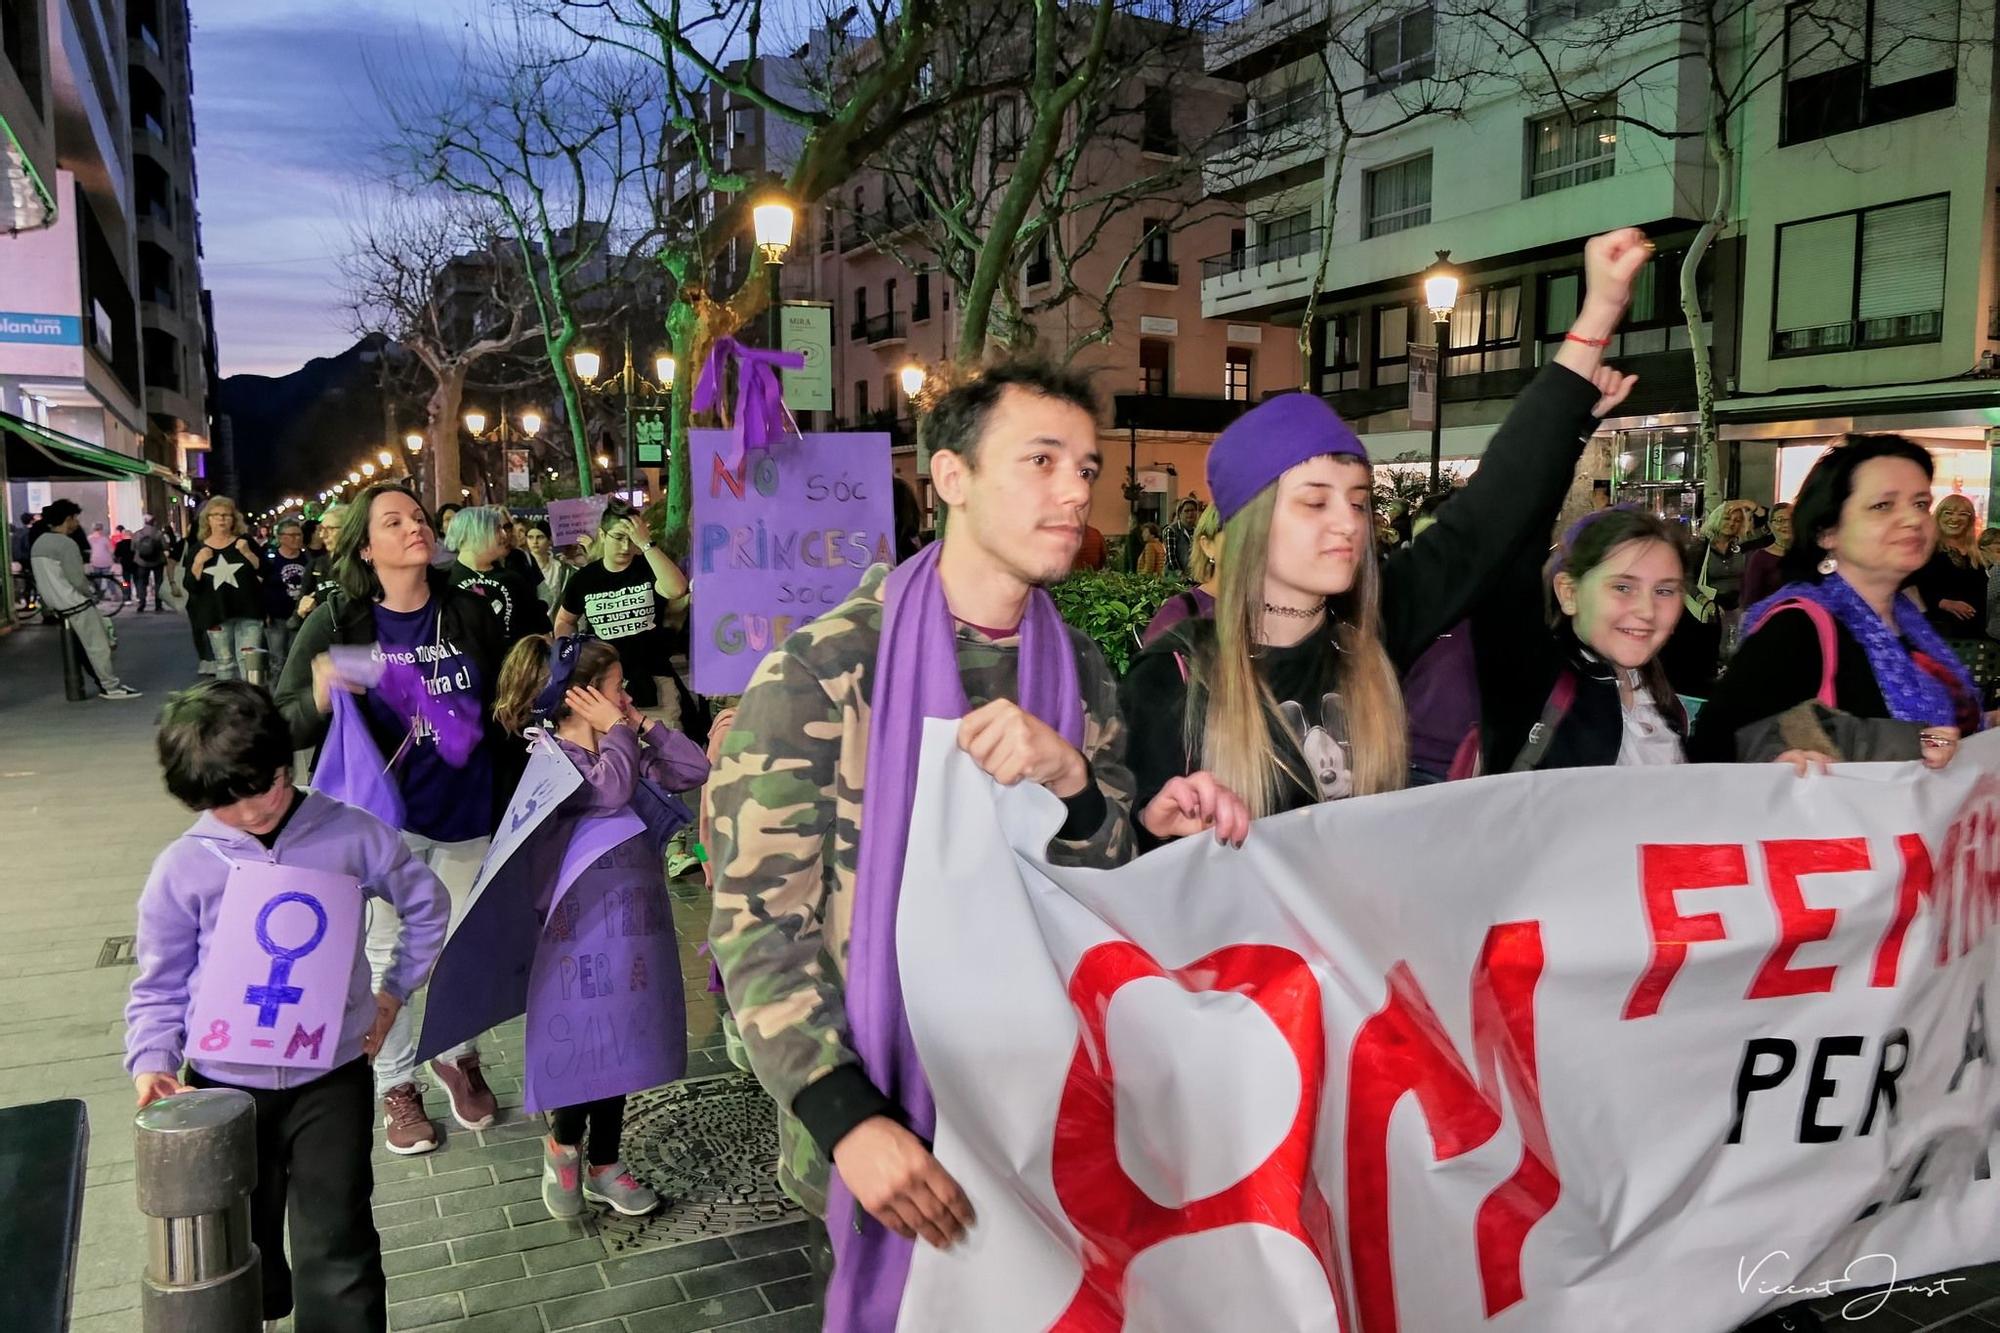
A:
(611, 774)
(177, 911)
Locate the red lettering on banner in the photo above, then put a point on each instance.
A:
(1785, 862)
(1663, 872)
(1912, 887)
(720, 476)
(1403, 1048)
(1116, 1218)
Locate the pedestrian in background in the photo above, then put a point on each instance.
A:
(1952, 582)
(1179, 536)
(227, 753)
(626, 597)
(476, 537)
(286, 574)
(101, 554)
(149, 563)
(226, 596)
(65, 592)
(554, 571)
(1152, 551)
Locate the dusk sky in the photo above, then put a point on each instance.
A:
(287, 115)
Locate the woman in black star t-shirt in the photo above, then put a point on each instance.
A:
(226, 590)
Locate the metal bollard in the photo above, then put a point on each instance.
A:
(72, 660)
(196, 1165)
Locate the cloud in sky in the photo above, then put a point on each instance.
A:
(287, 118)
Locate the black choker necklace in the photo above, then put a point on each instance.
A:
(1293, 612)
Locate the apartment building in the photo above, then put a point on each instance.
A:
(1169, 377)
(105, 355)
(1869, 157)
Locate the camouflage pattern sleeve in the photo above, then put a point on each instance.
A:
(1112, 843)
(772, 802)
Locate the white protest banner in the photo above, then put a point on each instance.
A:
(1648, 1050)
(572, 521)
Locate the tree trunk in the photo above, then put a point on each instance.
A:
(683, 330)
(559, 346)
(441, 433)
(1724, 157)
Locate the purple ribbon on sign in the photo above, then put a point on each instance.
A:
(760, 398)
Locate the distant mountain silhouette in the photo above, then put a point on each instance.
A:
(294, 433)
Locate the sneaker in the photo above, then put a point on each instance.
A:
(562, 1188)
(408, 1130)
(472, 1103)
(615, 1185)
(122, 692)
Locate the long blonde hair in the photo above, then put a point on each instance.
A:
(1231, 712)
(1965, 551)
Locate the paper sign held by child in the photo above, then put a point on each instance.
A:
(273, 984)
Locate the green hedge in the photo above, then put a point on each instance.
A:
(1112, 607)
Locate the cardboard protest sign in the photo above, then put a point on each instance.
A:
(572, 521)
(1720, 1046)
(597, 974)
(273, 983)
(780, 537)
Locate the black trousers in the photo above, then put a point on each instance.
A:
(313, 1143)
(603, 1119)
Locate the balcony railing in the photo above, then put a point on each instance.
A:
(1305, 109)
(897, 216)
(1264, 252)
(1161, 272)
(882, 328)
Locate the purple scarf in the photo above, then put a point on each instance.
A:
(1912, 693)
(916, 677)
(350, 766)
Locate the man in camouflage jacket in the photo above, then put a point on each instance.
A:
(1016, 451)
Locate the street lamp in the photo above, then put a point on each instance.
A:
(354, 479)
(385, 458)
(531, 424)
(367, 469)
(1441, 296)
(772, 222)
(503, 428)
(475, 422)
(414, 442)
(913, 380)
(628, 383)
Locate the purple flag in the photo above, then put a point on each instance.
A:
(350, 766)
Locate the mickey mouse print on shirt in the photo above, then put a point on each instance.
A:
(1325, 745)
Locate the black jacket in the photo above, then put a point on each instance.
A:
(1497, 524)
(1776, 667)
(466, 619)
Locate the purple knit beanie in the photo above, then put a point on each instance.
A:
(1270, 439)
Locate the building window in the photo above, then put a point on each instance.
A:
(1486, 330)
(1872, 278)
(1156, 256)
(889, 295)
(860, 329)
(743, 127)
(921, 310)
(1006, 129)
(1156, 132)
(1392, 343)
(1571, 147)
(1340, 352)
(889, 394)
(1039, 271)
(1236, 374)
(1155, 366)
(1850, 63)
(1285, 237)
(860, 400)
(1399, 197)
(1654, 321)
(1546, 14)
(1401, 49)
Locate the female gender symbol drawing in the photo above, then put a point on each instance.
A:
(277, 990)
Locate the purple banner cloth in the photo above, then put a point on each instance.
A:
(916, 677)
(760, 416)
(273, 986)
(351, 768)
(599, 977)
(779, 539)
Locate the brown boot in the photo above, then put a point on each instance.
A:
(472, 1103)
(408, 1130)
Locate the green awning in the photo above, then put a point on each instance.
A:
(36, 453)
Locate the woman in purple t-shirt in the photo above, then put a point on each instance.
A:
(1205, 568)
(389, 598)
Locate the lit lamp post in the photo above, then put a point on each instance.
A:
(629, 384)
(503, 430)
(1441, 295)
(773, 225)
(916, 380)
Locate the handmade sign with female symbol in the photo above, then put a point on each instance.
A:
(273, 984)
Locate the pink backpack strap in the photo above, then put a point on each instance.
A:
(1829, 642)
(1180, 660)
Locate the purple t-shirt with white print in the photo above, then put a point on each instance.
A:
(440, 802)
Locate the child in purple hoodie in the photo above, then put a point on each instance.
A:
(574, 689)
(227, 752)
